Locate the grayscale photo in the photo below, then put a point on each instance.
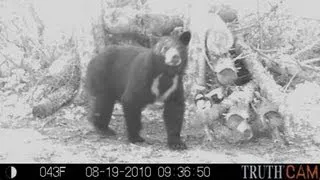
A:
(160, 81)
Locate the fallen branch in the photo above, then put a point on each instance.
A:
(58, 87)
(309, 61)
(290, 81)
(287, 64)
(305, 51)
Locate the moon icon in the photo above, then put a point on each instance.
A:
(11, 172)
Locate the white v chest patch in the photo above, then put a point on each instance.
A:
(155, 87)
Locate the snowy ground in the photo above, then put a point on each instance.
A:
(67, 137)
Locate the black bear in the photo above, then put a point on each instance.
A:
(138, 76)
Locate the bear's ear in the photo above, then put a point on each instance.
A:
(185, 38)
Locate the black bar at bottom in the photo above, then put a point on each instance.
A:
(167, 171)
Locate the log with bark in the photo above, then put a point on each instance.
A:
(274, 111)
(130, 26)
(210, 41)
(272, 96)
(58, 87)
(213, 43)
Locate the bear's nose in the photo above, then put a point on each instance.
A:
(176, 60)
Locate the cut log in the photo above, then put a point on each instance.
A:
(226, 71)
(231, 115)
(268, 87)
(268, 121)
(209, 42)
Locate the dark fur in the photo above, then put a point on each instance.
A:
(125, 74)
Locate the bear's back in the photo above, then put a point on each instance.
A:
(123, 54)
(109, 70)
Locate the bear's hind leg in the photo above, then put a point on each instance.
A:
(100, 115)
(132, 114)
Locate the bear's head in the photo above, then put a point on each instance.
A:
(173, 50)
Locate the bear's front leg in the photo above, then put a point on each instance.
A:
(173, 116)
(132, 115)
(132, 107)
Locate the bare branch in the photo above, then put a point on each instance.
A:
(309, 61)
